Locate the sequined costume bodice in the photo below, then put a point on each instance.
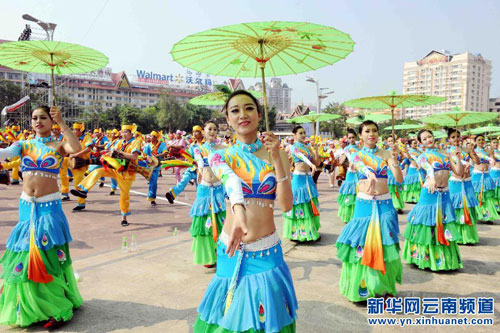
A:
(298, 149)
(433, 158)
(371, 162)
(36, 156)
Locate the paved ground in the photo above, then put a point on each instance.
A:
(157, 288)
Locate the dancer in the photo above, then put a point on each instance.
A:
(191, 173)
(394, 186)
(414, 178)
(38, 282)
(79, 171)
(158, 149)
(209, 208)
(495, 170)
(462, 193)
(368, 245)
(301, 223)
(484, 186)
(252, 290)
(431, 233)
(347, 192)
(127, 150)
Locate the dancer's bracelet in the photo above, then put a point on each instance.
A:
(281, 180)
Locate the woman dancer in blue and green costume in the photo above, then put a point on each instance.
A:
(38, 282)
(209, 208)
(484, 186)
(347, 192)
(395, 188)
(368, 245)
(252, 290)
(495, 170)
(432, 233)
(414, 178)
(302, 223)
(462, 193)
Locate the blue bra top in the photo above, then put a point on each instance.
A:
(484, 158)
(205, 150)
(350, 150)
(296, 149)
(463, 155)
(36, 156)
(372, 162)
(433, 158)
(258, 178)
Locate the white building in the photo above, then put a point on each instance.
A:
(464, 79)
(279, 95)
(494, 105)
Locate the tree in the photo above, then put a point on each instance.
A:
(171, 115)
(338, 126)
(272, 119)
(197, 115)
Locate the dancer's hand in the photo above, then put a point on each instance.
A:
(313, 169)
(238, 230)
(271, 144)
(431, 185)
(372, 184)
(55, 113)
(394, 152)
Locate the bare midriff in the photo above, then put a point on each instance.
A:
(441, 177)
(302, 167)
(38, 186)
(208, 176)
(381, 186)
(466, 173)
(482, 167)
(260, 220)
(497, 165)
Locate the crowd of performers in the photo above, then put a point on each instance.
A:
(454, 185)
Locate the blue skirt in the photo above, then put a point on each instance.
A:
(300, 191)
(413, 176)
(349, 185)
(484, 179)
(51, 225)
(264, 297)
(457, 189)
(425, 211)
(354, 233)
(205, 197)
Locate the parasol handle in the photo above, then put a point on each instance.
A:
(52, 80)
(262, 65)
(393, 136)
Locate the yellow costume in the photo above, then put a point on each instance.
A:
(79, 174)
(124, 178)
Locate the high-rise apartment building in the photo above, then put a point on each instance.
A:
(464, 79)
(279, 95)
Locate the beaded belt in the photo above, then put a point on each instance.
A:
(40, 173)
(366, 196)
(258, 202)
(45, 198)
(301, 173)
(460, 179)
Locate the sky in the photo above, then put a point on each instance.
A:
(139, 34)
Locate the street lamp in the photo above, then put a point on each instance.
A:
(320, 96)
(47, 27)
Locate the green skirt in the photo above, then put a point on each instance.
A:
(346, 206)
(300, 224)
(201, 326)
(411, 193)
(203, 246)
(24, 302)
(397, 198)
(359, 282)
(467, 232)
(422, 249)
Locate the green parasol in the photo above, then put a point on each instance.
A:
(393, 101)
(219, 97)
(404, 127)
(313, 117)
(50, 57)
(439, 134)
(376, 117)
(485, 129)
(263, 49)
(459, 118)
